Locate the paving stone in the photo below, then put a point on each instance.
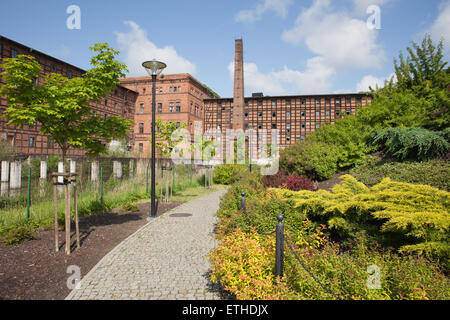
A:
(165, 259)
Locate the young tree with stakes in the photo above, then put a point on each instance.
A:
(60, 107)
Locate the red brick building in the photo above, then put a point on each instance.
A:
(28, 141)
(294, 116)
(179, 98)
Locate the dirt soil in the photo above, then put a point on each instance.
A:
(33, 270)
(330, 183)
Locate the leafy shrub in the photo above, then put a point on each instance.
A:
(296, 183)
(17, 235)
(228, 173)
(435, 173)
(327, 150)
(410, 143)
(275, 180)
(244, 265)
(413, 218)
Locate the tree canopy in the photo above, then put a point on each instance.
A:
(61, 106)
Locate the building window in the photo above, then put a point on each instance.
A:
(317, 126)
(106, 102)
(288, 114)
(143, 90)
(31, 141)
(52, 68)
(116, 106)
(274, 114)
(337, 101)
(14, 53)
(338, 113)
(274, 125)
(260, 103)
(219, 116)
(317, 113)
(288, 138)
(348, 101)
(303, 114)
(274, 103)
(358, 100)
(174, 89)
(288, 102)
(327, 101)
(348, 112)
(141, 108)
(177, 107)
(260, 114)
(159, 107)
(327, 112)
(302, 137)
(288, 126)
(69, 75)
(246, 114)
(160, 90)
(303, 101)
(1, 49)
(171, 107)
(141, 147)
(317, 101)
(260, 126)
(141, 128)
(303, 125)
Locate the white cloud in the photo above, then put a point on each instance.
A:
(372, 81)
(137, 48)
(278, 6)
(441, 26)
(316, 79)
(341, 41)
(362, 5)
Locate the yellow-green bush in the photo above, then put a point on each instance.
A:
(414, 218)
(243, 263)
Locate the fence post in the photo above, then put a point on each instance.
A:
(146, 180)
(29, 193)
(243, 202)
(101, 186)
(279, 245)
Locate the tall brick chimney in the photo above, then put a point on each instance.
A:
(237, 121)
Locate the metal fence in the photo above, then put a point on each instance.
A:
(281, 238)
(28, 181)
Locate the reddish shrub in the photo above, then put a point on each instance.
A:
(275, 181)
(296, 183)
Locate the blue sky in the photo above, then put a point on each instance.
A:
(290, 46)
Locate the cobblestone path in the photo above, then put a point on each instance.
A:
(165, 259)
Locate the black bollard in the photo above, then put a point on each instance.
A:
(279, 245)
(243, 202)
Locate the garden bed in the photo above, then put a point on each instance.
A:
(33, 270)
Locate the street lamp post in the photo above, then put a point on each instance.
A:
(250, 147)
(154, 68)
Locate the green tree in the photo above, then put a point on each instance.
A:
(166, 141)
(420, 97)
(59, 106)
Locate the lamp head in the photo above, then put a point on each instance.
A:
(154, 67)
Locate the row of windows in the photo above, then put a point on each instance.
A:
(160, 90)
(141, 128)
(303, 101)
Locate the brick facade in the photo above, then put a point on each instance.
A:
(294, 116)
(179, 98)
(27, 140)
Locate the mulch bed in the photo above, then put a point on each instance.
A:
(33, 270)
